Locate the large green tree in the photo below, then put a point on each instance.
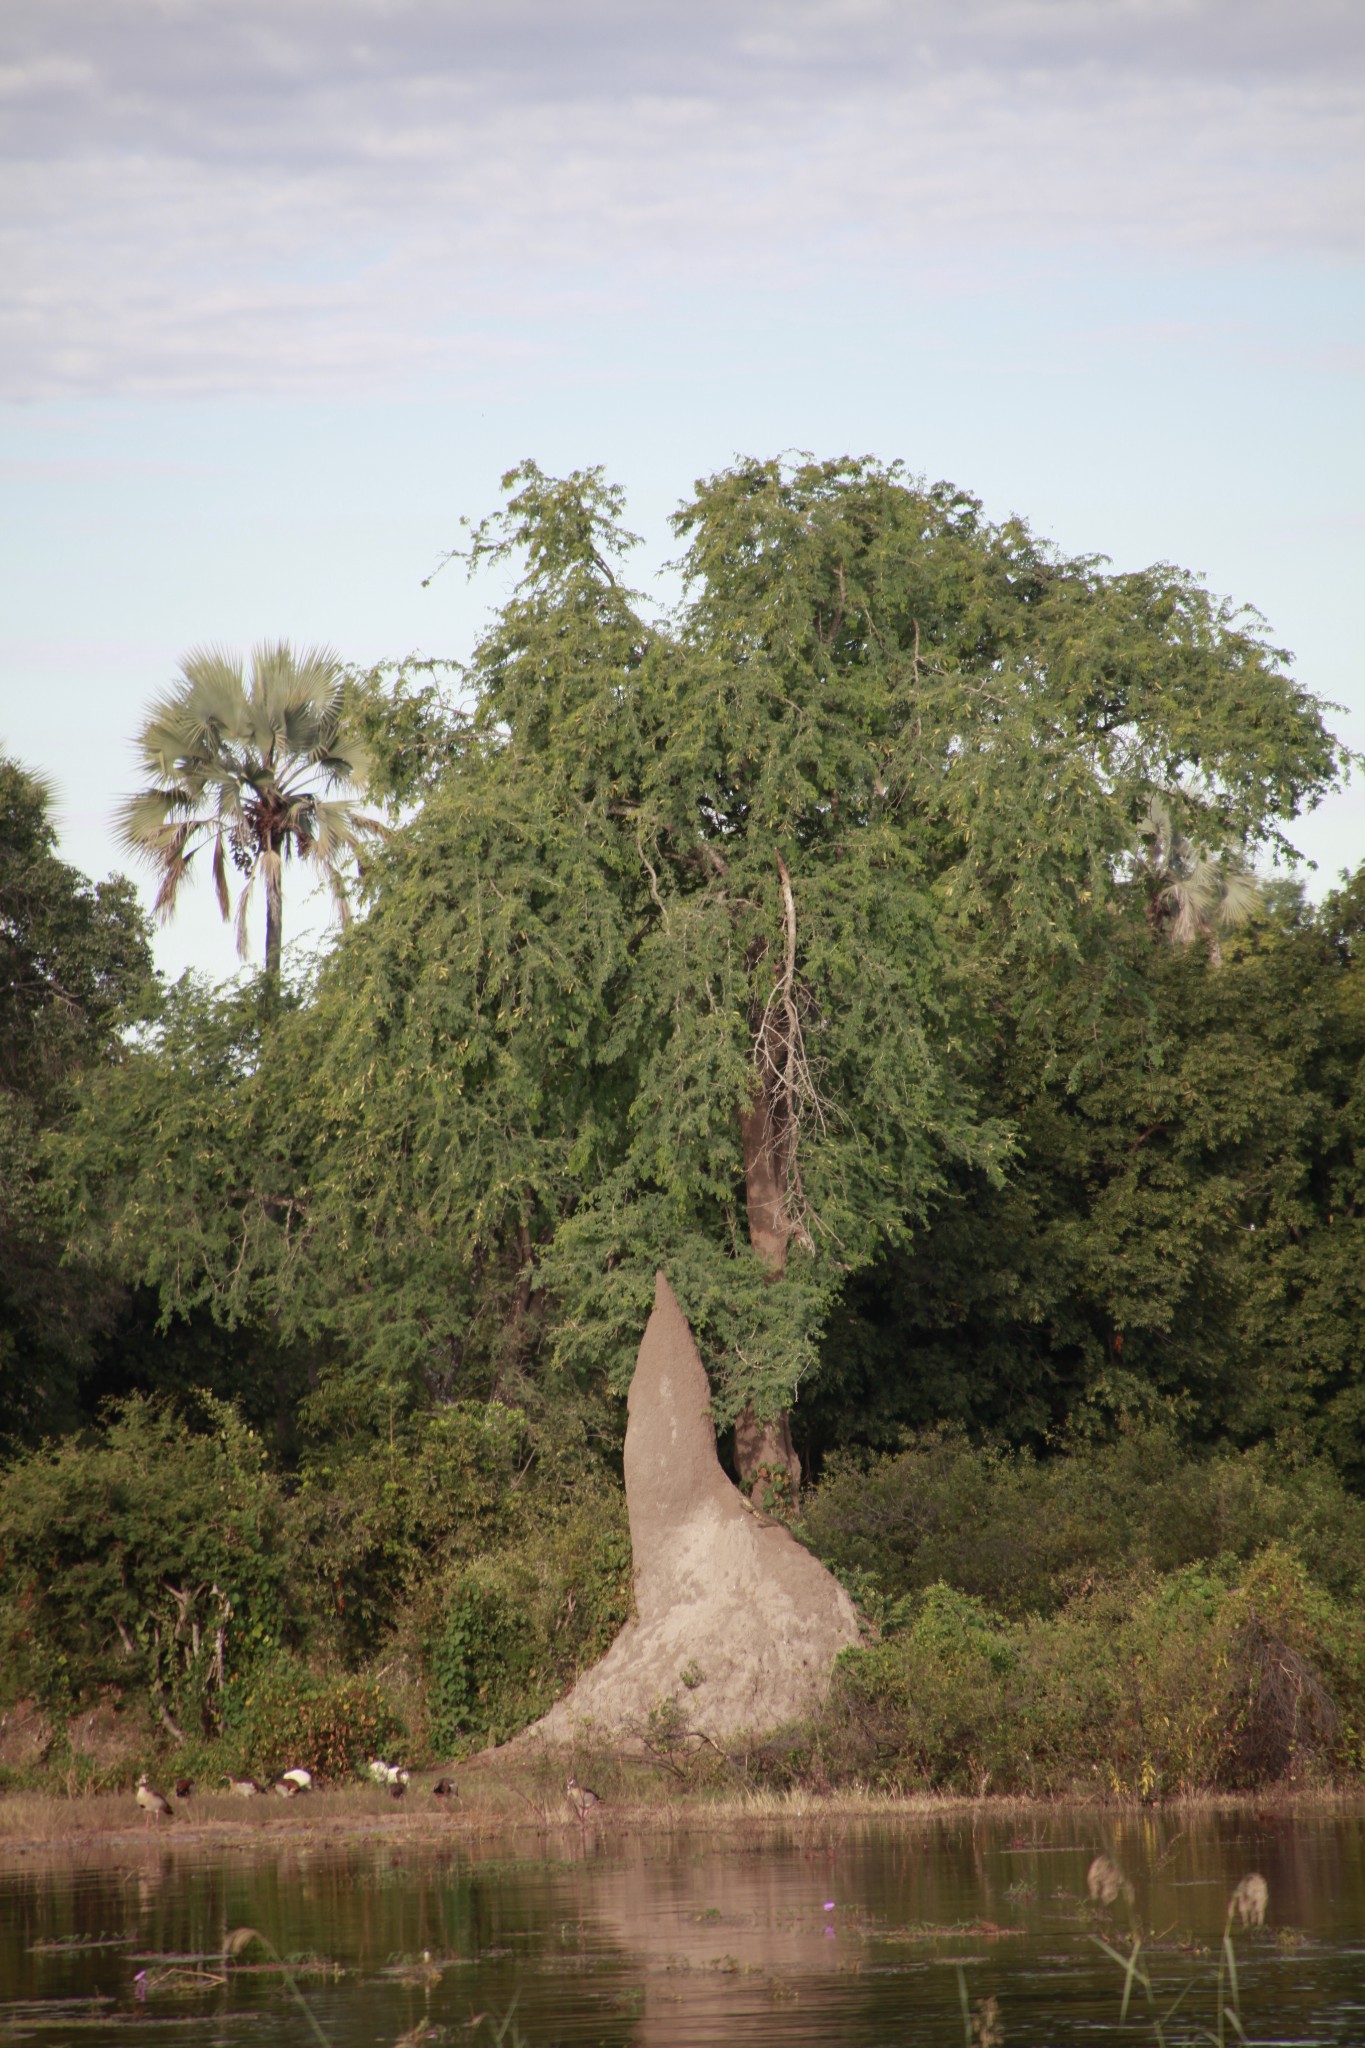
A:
(703, 947)
(257, 769)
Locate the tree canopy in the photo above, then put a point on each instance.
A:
(717, 936)
(75, 967)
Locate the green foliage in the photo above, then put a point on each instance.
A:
(74, 960)
(381, 1518)
(148, 1557)
(281, 1716)
(1209, 1678)
(881, 834)
(74, 968)
(1181, 1231)
(182, 1161)
(855, 834)
(406, 724)
(1023, 1533)
(161, 1561)
(479, 1663)
(514, 1630)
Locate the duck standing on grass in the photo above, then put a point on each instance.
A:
(582, 1798)
(445, 1789)
(154, 1804)
(245, 1788)
(183, 1787)
(398, 1782)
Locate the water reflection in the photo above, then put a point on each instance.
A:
(826, 1930)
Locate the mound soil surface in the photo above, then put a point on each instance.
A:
(734, 1619)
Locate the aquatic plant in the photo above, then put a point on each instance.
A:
(1247, 1905)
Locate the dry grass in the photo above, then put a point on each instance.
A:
(500, 1800)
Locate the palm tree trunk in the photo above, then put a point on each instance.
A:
(274, 921)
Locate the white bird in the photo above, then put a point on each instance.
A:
(301, 1780)
(379, 1770)
(153, 1803)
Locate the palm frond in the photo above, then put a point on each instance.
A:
(1194, 894)
(148, 823)
(295, 698)
(352, 768)
(240, 761)
(337, 829)
(220, 876)
(1241, 896)
(341, 895)
(194, 717)
(174, 863)
(243, 907)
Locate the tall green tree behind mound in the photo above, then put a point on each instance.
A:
(702, 947)
(691, 957)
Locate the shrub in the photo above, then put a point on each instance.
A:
(512, 1630)
(1024, 1534)
(380, 1520)
(924, 1705)
(282, 1715)
(141, 1558)
(1211, 1677)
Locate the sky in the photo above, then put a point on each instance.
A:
(288, 286)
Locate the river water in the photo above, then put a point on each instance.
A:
(821, 1930)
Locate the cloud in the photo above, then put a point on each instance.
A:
(219, 195)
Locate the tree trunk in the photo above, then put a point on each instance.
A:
(274, 920)
(764, 1451)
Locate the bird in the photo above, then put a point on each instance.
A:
(379, 1770)
(582, 1798)
(445, 1788)
(286, 1788)
(245, 1788)
(398, 1782)
(183, 1788)
(153, 1803)
(301, 1780)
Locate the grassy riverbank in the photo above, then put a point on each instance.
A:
(530, 1807)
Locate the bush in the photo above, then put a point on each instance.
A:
(145, 1557)
(927, 1702)
(512, 1631)
(283, 1715)
(1209, 1678)
(1024, 1534)
(381, 1519)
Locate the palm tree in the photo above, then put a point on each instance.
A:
(1191, 895)
(260, 770)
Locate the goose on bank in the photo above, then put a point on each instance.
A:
(155, 1805)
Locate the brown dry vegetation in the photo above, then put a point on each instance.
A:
(527, 1803)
